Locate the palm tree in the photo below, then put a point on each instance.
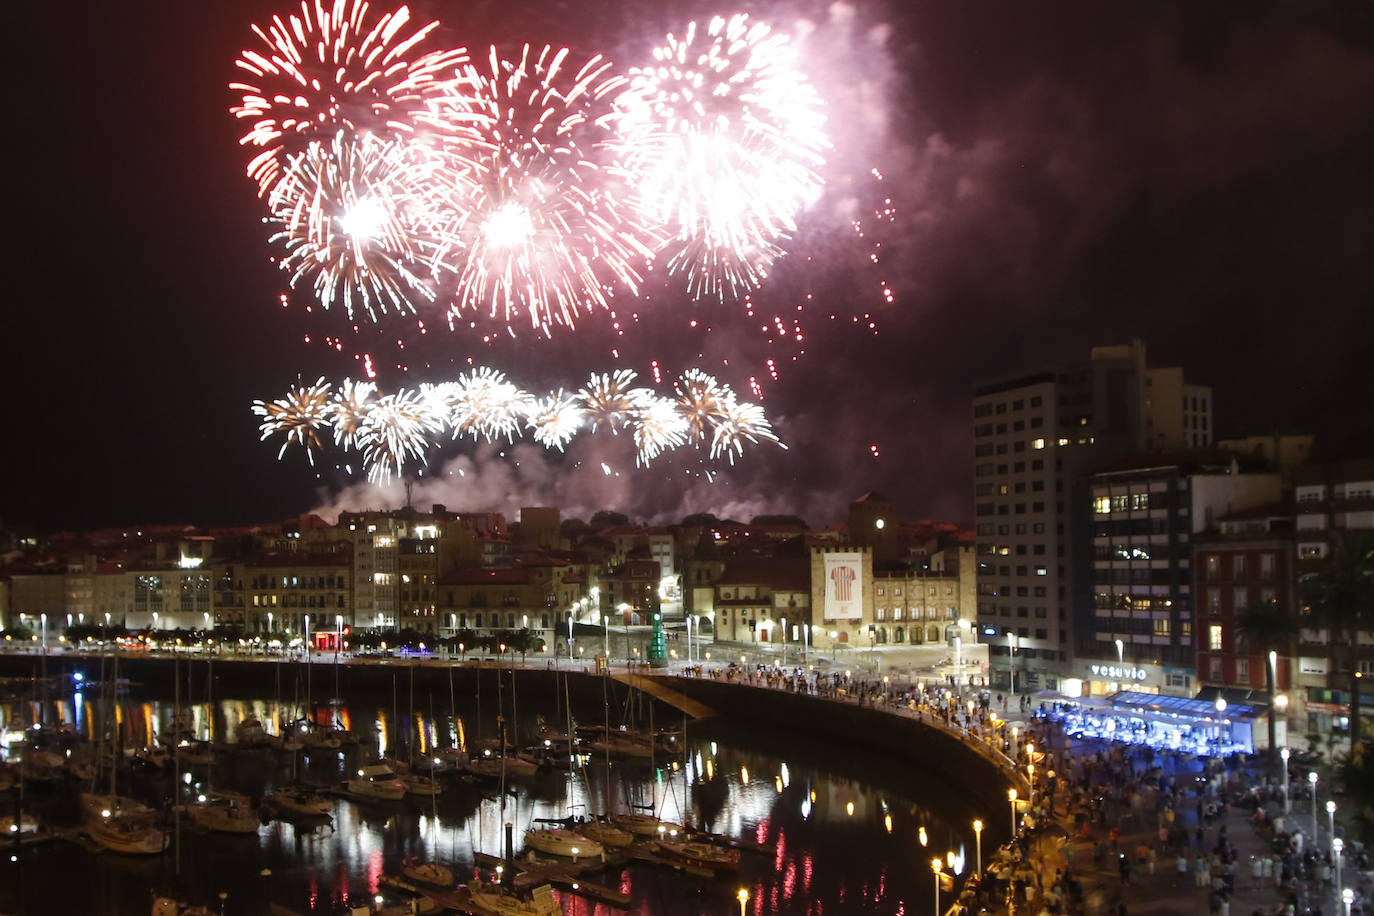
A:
(1268, 628)
(1340, 595)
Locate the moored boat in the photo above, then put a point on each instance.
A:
(299, 802)
(128, 834)
(557, 841)
(701, 855)
(431, 873)
(377, 782)
(606, 834)
(224, 812)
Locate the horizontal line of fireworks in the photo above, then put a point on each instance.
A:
(391, 430)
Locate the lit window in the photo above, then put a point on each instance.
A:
(1037, 443)
(1214, 637)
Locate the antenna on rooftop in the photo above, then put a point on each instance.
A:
(409, 485)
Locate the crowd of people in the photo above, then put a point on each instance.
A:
(1114, 811)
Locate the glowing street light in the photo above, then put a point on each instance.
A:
(1337, 846)
(1331, 819)
(1312, 780)
(1011, 798)
(937, 867)
(743, 898)
(978, 842)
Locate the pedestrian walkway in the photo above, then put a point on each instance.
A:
(1118, 829)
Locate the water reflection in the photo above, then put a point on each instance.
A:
(835, 842)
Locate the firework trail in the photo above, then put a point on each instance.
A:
(392, 430)
(723, 136)
(335, 67)
(299, 415)
(355, 216)
(548, 227)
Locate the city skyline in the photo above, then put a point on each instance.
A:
(1059, 179)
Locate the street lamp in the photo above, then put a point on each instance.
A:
(743, 898)
(1011, 798)
(1312, 780)
(1348, 898)
(1284, 755)
(1011, 660)
(936, 866)
(1337, 845)
(782, 638)
(978, 843)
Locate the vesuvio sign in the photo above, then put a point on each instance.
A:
(1123, 673)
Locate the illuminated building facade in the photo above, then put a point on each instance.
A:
(1036, 436)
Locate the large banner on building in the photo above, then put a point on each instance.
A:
(844, 586)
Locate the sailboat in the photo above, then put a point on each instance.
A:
(224, 812)
(116, 823)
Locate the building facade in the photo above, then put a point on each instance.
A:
(1035, 437)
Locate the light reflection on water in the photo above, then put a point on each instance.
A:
(840, 844)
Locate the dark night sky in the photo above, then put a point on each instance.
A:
(1063, 175)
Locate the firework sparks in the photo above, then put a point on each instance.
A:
(485, 404)
(392, 430)
(396, 429)
(609, 398)
(545, 228)
(354, 217)
(348, 410)
(300, 415)
(335, 67)
(743, 422)
(703, 401)
(723, 135)
(658, 426)
(555, 419)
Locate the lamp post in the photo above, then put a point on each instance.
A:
(937, 867)
(1337, 846)
(743, 898)
(1284, 755)
(782, 638)
(1011, 660)
(978, 843)
(1331, 818)
(1312, 780)
(1348, 898)
(1011, 799)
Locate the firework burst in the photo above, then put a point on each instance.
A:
(354, 216)
(742, 422)
(348, 410)
(610, 398)
(395, 430)
(299, 415)
(335, 67)
(703, 401)
(723, 135)
(555, 418)
(548, 227)
(657, 427)
(486, 404)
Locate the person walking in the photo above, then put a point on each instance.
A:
(1181, 864)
